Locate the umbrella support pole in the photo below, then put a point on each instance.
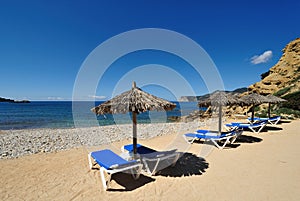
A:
(220, 119)
(269, 110)
(134, 132)
(252, 118)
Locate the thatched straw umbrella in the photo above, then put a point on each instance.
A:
(273, 99)
(219, 99)
(135, 101)
(253, 99)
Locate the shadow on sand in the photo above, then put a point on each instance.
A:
(248, 139)
(188, 164)
(284, 121)
(227, 146)
(127, 181)
(266, 129)
(271, 128)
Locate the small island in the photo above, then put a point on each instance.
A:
(13, 101)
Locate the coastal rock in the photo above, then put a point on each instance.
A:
(284, 77)
(7, 100)
(188, 99)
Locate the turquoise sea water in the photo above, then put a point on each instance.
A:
(61, 114)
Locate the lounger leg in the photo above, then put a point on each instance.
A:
(138, 172)
(275, 122)
(253, 130)
(155, 167)
(226, 142)
(233, 139)
(175, 160)
(261, 128)
(214, 142)
(105, 186)
(148, 168)
(217, 145)
(90, 161)
(189, 141)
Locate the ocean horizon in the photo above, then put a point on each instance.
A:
(61, 114)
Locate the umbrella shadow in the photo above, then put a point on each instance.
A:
(128, 182)
(248, 139)
(188, 164)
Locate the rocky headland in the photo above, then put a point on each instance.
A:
(7, 100)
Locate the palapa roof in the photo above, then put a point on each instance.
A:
(253, 99)
(134, 100)
(274, 99)
(219, 98)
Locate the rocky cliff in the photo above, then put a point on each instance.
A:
(284, 77)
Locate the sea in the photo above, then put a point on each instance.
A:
(68, 114)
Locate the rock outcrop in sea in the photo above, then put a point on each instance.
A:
(13, 101)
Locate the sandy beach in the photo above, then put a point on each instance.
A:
(262, 166)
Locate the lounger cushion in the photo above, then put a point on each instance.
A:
(246, 125)
(202, 136)
(209, 133)
(109, 160)
(140, 149)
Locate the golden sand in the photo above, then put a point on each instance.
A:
(261, 166)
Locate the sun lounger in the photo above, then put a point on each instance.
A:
(255, 127)
(111, 163)
(213, 136)
(236, 132)
(271, 120)
(153, 160)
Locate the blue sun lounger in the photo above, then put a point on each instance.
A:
(153, 160)
(234, 132)
(213, 136)
(255, 127)
(111, 163)
(271, 120)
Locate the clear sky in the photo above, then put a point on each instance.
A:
(43, 44)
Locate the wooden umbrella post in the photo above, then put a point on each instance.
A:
(252, 118)
(134, 127)
(269, 110)
(134, 132)
(220, 119)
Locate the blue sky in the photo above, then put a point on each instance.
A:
(43, 44)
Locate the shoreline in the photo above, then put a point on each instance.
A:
(17, 143)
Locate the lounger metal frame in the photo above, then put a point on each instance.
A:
(156, 157)
(214, 138)
(115, 169)
(252, 127)
(271, 120)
